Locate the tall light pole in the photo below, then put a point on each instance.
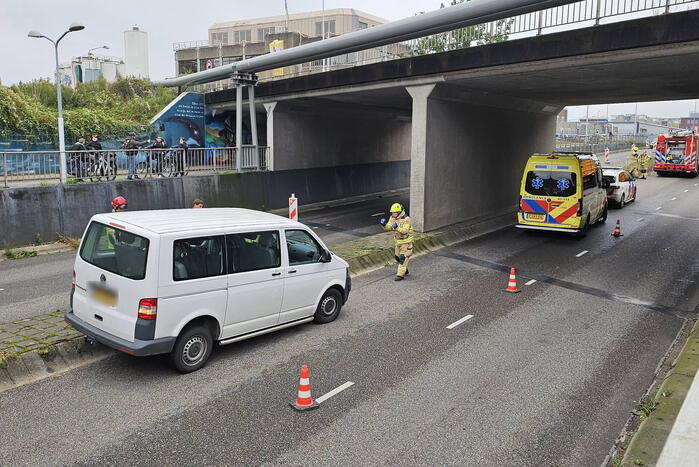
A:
(61, 137)
(89, 52)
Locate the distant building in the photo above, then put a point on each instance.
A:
(235, 40)
(136, 53)
(691, 122)
(89, 68)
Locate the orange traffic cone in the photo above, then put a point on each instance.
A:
(617, 229)
(304, 401)
(512, 283)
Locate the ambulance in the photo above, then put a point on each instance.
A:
(562, 192)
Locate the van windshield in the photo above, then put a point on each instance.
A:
(115, 250)
(550, 183)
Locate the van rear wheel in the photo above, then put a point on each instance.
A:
(329, 307)
(192, 349)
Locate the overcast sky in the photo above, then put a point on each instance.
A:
(167, 21)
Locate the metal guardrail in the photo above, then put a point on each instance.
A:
(585, 13)
(43, 166)
(600, 143)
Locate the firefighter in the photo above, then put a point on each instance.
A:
(644, 164)
(399, 223)
(634, 165)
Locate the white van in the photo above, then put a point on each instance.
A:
(176, 281)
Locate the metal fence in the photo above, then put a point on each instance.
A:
(600, 143)
(576, 15)
(44, 166)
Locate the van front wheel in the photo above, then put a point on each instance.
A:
(192, 349)
(329, 307)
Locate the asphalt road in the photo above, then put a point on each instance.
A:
(544, 377)
(33, 286)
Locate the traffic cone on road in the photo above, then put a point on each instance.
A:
(304, 401)
(512, 283)
(617, 229)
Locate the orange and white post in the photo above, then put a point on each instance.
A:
(606, 156)
(293, 208)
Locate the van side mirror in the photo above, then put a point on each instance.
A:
(325, 257)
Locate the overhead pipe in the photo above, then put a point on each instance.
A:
(445, 19)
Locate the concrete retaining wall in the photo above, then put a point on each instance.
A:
(65, 210)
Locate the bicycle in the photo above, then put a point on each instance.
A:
(170, 161)
(102, 166)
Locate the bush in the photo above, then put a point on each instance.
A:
(96, 107)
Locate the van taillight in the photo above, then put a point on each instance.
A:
(148, 308)
(519, 207)
(580, 210)
(72, 285)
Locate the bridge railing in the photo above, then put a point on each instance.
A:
(600, 143)
(582, 14)
(27, 168)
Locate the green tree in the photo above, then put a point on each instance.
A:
(462, 38)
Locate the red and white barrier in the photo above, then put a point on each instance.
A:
(293, 208)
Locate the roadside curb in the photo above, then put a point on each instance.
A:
(32, 366)
(38, 250)
(648, 441)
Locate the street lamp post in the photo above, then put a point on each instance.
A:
(105, 47)
(61, 137)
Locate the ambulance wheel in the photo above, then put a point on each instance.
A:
(623, 201)
(603, 219)
(585, 228)
(192, 349)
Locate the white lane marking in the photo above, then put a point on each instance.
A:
(462, 320)
(582, 253)
(658, 208)
(641, 219)
(696, 184)
(685, 191)
(673, 199)
(530, 282)
(337, 390)
(378, 214)
(315, 227)
(2, 290)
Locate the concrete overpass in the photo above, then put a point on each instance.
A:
(468, 119)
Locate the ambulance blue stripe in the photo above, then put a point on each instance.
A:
(566, 167)
(541, 166)
(535, 206)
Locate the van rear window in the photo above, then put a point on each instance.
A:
(115, 250)
(550, 183)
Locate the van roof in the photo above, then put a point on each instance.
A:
(178, 220)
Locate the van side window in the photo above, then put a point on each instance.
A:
(194, 258)
(302, 248)
(589, 181)
(252, 251)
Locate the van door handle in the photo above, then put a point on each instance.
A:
(276, 274)
(292, 272)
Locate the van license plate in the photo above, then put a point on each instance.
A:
(535, 217)
(104, 297)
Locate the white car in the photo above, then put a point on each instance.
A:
(177, 281)
(622, 185)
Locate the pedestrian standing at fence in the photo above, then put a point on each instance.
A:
(77, 158)
(197, 204)
(181, 157)
(157, 155)
(132, 146)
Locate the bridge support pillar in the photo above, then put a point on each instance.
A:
(467, 157)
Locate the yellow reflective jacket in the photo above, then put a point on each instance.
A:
(404, 232)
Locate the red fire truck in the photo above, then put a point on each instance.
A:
(677, 153)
